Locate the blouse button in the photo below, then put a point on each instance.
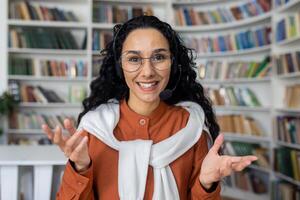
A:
(142, 122)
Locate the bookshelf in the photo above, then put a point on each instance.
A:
(282, 79)
(270, 90)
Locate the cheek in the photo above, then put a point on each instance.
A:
(166, 76)
(128, 79)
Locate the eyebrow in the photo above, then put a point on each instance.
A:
(139, 52)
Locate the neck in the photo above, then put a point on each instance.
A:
(142, 108)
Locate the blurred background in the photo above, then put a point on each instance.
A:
(248, 60)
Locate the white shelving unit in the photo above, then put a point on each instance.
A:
(271, 96)
(279, 82)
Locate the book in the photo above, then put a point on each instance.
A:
(248, 39)
(240, 124)
(26, 10)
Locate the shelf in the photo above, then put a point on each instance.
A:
(96, 25)
(47, 51)
(198, 2)
(228, 25)
(25, 131)
(57, 24)
(241, 194)
(46, 78)
(28, 131)
(242, 108)
(287, 178)
(96, 52)
(50, 105)
(288, 110)
(246, 138)
(31, 155)
(288, 6)
(288, 41)
(290, 145)
(289, 75)
(132, 1)
(236, 81)
(256, 50)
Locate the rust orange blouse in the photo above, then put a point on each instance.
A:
(100, 181)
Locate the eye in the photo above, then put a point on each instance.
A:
(158, 57)
(134, 59)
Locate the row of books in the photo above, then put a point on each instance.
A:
(249, 180)
(30, 93)
(106, 13)
(279, 3)
(288, 63)
(33, 120)
(39, 67)
(287, 162)
(44, 39)
(285, 191)
(230, 42)
(242, 149)
(292, 96)
(28, 11)
(233, 96)
(189, 16)
(17, 140)
(101, 39)
(240, 124)
(288, 129)
(288, 27)
(224, 70)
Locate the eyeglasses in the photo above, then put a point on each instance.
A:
(132, 62)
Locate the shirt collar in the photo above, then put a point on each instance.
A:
(133, 118)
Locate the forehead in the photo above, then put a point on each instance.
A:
(145, 40)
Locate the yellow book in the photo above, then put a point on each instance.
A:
(295, 165)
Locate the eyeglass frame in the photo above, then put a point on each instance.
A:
(142, 62)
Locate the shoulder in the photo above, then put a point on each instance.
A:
(177, 113)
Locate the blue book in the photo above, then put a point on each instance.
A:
(222, 44)
(280, 30)
(259, 37)
(187, 17)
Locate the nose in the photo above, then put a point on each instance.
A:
(147, 68)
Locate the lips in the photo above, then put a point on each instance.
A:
(147, 85)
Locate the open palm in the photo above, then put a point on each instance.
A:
(214, 167)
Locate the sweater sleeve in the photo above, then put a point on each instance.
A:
(75, 185)
(196, 191)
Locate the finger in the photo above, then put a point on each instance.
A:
(48, 131)
(69, 126)
(240, 166)
(245, 161)
(57, 139)
(218, 143)
(80, 147)
(235, 159)
(72, 142)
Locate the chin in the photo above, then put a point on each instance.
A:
(151, 98)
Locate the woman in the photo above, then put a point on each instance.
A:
(146, 126)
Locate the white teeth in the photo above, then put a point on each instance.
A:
(147, 85)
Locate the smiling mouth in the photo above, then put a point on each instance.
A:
(147, 86)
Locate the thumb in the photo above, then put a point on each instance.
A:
(218, 143)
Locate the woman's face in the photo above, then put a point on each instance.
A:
(146, 78)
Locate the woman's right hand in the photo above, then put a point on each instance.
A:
(74, 146)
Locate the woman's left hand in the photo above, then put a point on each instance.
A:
(214, 167)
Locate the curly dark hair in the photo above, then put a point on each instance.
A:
(109, 84)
